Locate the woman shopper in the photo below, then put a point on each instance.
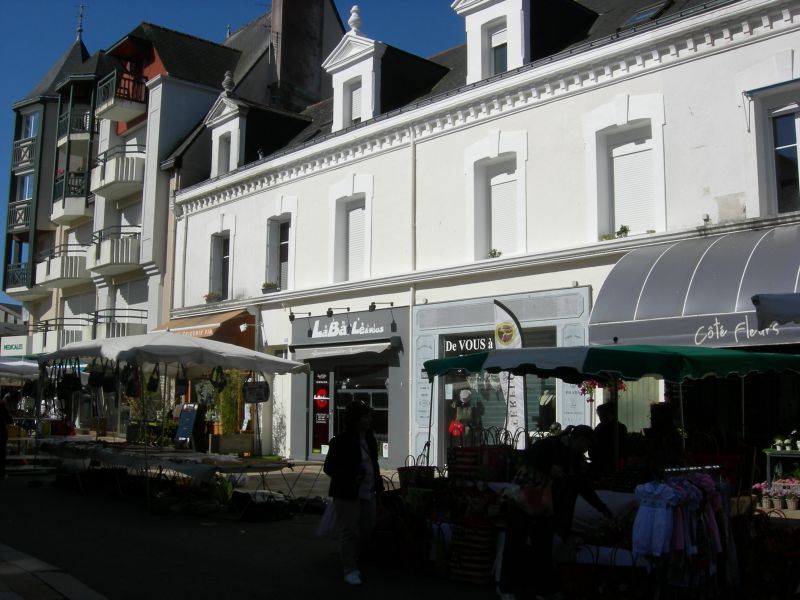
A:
(559, 460)
(352, 465)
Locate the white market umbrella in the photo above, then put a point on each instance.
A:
(167, 347)
(19, 369)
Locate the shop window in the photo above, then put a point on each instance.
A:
(220, 264)
(363, 384)
(278, 238)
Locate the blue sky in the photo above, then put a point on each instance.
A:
(40, 31)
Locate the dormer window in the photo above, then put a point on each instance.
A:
(497, 45)
(498, 35)
(355, 70)
(353, 102)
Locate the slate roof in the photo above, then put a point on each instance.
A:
(70, 61)
(606, 25)
(185, 56)
(252, 41)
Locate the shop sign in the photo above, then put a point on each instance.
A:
(15, 345)
(712, 331)
(329, 328)
(458, 345)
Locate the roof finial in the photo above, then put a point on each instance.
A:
(227, 83)
(355, 19)
(80, 21)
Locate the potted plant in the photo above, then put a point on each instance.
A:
(777, 498)
(792, 500)
(270, 286)
(213, 296)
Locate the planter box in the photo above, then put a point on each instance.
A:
(231, 443)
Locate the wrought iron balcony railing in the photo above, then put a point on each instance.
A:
(74, 122)
(24, 152)
(116, 232)
(123, 85)
(62, 250)
(19, 215)
(119, 151)
(72, 185)
(17, 275)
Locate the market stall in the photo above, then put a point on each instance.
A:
(698, 495)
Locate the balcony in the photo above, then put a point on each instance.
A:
(53, 334)
(119, 172)
(121, 97)
(19, 215)
(23, 155)
(18, 285)
(75, 125)
(70, 205)
(63, 267)
(114, 250)
(119, 322)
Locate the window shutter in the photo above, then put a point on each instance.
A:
(498, 38)
(283, 255)
(355, 102)
(504, 218)
(355, 242)
(633, 187)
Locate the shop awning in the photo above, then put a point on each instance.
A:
(312, 352)
(223, 327)
(698, 292)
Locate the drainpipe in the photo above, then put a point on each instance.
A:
(412, 292)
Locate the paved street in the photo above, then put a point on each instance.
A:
(57, 543)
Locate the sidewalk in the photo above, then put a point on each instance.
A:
(23, 577)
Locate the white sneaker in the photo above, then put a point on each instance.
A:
(353, 578)
(505, 595)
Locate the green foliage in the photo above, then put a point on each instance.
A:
(494, 253)
(152, 402)
(229, 401)
(623, 231)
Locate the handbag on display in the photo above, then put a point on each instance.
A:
(154, 382)
(181, 382)
(218, 379)
(254, 391)
(456, 428)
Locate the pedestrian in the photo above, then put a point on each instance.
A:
(557, 464)
(605, 459)
(6, 419)
(352, 465)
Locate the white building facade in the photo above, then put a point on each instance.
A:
(529, 187)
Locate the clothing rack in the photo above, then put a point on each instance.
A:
(698, 469)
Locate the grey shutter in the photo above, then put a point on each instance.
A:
(355, 102)
(355, 242)
(504, 218)
(634, 198)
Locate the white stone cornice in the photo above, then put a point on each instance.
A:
(687, 39)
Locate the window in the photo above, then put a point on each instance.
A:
(784, 142)
(25, 187)
(30, 125)
(224, 154)
(496, 207)
(353, 110)
(495, 44)
(220, 264)
(630, 159)
(499, 53)
(278, 237)
(354, 240)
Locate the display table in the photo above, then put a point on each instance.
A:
(779, 455)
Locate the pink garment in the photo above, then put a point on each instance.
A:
(713, 503)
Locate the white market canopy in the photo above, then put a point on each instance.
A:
(173, 348)
(14, 368)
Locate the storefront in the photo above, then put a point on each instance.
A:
(480, 402)
(356, 356)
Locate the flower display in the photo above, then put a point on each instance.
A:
(589, 386)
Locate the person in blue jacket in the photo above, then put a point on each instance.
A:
(352, 465)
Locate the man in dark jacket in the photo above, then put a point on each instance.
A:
(352, 465)
(559, 459)
(6, 419)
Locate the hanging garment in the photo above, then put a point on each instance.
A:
(652, 529)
